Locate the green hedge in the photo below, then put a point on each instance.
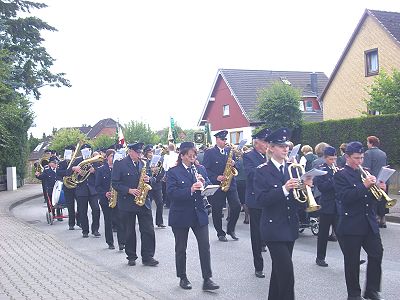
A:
(385, 127)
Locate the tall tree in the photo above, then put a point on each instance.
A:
(103, 141)
(278, 106)
(65, 137)
(139, 131)
(21, 37)
(385, 93)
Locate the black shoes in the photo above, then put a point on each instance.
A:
(264, 249)
(372, 295)
(151, 262)
(131, 262)
(222, 238)
(85, 235)
(209, 285)
(161, 226)
(71, 228)
(111, 246)
(260, 274)
(321, 262)
(362, 261)
(382, 226)
(121, 247)
(185, 283)
(233, 235)
(96, 234)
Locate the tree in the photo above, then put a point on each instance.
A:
(65, 137)
(385, 93)
(139, 131)
(20, 36)
(278, 106)
(103, 141)
(183, 135)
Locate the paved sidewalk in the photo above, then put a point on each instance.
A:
(34, 265)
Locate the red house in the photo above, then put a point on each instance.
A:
(233, 98)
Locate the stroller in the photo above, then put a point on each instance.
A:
(309, 220)
(55, 204)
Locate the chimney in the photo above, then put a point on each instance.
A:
(314, 83)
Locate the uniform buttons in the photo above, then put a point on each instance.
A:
(366, 214)
(270, 221)
(366, 204)
(288, 217)
(288, 207)
(346, 214)
(365, 196)
(354, 185)
(287, 198)
(252, 193)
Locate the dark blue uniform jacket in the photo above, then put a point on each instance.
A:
(251, 161)
(326, 186)
(215, 162)
(103, 182)
(279, 220)
(124, 177)
(356, 204)
(186, 209)
(48, 178)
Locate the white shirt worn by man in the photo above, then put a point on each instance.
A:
(170, 160)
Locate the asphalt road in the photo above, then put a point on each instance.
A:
(232, 262)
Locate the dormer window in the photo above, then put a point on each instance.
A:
(285, 81)
(371, 62)
(225, 110)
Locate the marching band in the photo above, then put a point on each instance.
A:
(125, 182)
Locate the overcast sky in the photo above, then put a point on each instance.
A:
(149, 60)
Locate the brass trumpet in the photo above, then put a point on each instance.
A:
(378, 193)
(302, 192)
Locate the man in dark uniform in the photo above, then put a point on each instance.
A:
(279, 221)
(328, 212)
(125, 180)
(215, 160)
(251, 161)
(69, 194)
(103, 187)
(156, 188)
(188, 211)
(45, 166)
(49, 178)
(357, 226)
(86, 193)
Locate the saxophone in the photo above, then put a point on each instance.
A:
(143, 187)
(229, 173)
(112, 202)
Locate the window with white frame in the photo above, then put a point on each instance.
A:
(236, 137)
(309, 105)
(225, 110)
(371, 62)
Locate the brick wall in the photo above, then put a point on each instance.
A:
(344, 98)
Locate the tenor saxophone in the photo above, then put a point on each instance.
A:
(112, 202)
(143, 187)
(229, 173)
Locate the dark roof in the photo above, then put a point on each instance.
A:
(316, 116)
(245, 85)
(390, 21)
(105, 123)
(40, 148)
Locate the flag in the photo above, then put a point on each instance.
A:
(207, 133)
(121, 138)
(172, 134)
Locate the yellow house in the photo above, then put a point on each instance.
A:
(373, 46)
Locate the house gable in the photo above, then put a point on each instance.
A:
(347, 88)
(221, 95)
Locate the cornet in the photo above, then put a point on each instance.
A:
(302, 192)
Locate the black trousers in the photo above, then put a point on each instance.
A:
(147, 235)
(241, 189)
(281, 284)
(351, 247)
(325, 222)
(156, 196)
(69, 195)
(109, 215)
(164, 194)
(203, 244)
(83, 202)
(255, 236)
(218, 201)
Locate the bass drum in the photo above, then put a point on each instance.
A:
(56, 192)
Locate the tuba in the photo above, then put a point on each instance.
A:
(143, 187)
(85, 165)
(378, 193)
(43, 161)
(229, 173)
(303, 192)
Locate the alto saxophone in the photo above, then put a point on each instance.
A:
(229, 173)
(143, 187)
(112, 202)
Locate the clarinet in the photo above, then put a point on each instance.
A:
(206, 204)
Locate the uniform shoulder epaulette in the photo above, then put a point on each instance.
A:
(262, 165)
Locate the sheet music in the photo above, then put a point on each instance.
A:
(312, 173)
(384, 174)
(294, 152)
(209, 190)
(154, 160)
(241, 144)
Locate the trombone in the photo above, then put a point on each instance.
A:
(302, 192)
(378, 193)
